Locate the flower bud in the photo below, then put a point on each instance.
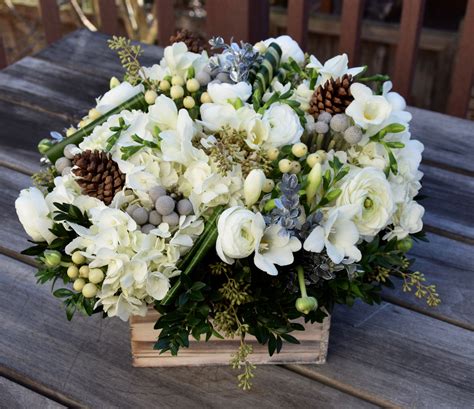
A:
(78, 258)
(114, 82)
(299, 149)
(44, 145)
(176, 92)
(273, 153)
(177, 80)
(52, 258)
(268, 186)
(295, 167)
(189, 102)
(205, 98)
(306, 304)
(253, 186)
(314, 180)
(94, 114)
(284, 165)
(79, 284)
(89, 290)
(165, 85)
(192, 85)
(405, 244)
(72, 271)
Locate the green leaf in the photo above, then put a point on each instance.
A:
(63, 293)
(290, 338)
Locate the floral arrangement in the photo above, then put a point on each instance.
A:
(235, 193)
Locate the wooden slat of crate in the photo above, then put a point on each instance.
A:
(311, 350)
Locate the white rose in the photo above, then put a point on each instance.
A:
(289, 48)
(239, 229)
(370, 191)
(285, 125)
(33, 212)
(222, 93)
(116, 96)
(367, 109)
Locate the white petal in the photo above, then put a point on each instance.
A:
(315, 241)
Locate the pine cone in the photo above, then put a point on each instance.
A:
(334, 97)
(98, 175)
(195, 42)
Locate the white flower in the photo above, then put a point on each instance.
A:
(117, 95)
(239, 229)
(157, 285)
(258, 132)
(164, 113)
(276, 246)
(408, 219)
(338, 234)
(177, 59)
(335, 67)
(222, 93)
(367, 109)
(253, 186)
(370, 191)
(285, 126)
(289, 48)
(121, 306)
(33, 213)
(217, 116)
(176, 145)
(371, 155)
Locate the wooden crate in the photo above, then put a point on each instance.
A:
(311, 350)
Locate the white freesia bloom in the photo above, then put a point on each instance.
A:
(367, 109)
(285, 125)
(253, 186)
(335, 67)
(239, 229)
(216, 116)
(289, 48)
(370, 191)
(338, 235)
(371, 155)
(177, 59)
(408, 219)
(33, 212)
(223, 93)
(275, 246)
(117, 95)
(177, 145)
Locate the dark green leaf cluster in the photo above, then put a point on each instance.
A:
(76, 302)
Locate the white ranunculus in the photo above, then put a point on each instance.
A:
(253, 186)
(223, 93)
(33, 213)
(370, 191)
(289, 48)
(408, 219)
(335, 67)
(338, 234)
(239, 229)
(164, 113)
(117, 95)
(276, 246)
(285, 125)
(367, 109)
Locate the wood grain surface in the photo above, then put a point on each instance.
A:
(399, 354)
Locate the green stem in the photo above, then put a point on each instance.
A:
(301, 282)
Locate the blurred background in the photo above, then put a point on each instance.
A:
(22, 32)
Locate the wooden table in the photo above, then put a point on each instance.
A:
(398, 354)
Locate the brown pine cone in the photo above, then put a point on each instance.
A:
(98, 175)
(195, 42)
(334, 97)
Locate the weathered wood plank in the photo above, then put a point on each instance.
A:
(3, 54)
(448, 141)
(89, 360)
(449, 201)
(46, 86)
(49, 11)
(449, 265)
(108, 15)
(412, 360)
(164, 13)
(297, 25)
(15, 396)
(87, 53)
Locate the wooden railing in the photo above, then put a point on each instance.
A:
(248, 20)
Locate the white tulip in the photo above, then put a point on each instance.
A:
(338, 234)
(223, 93)
(370, 191)
(253, 186)
(33, 213)
(238, 231)
(285, 125)
(117, 95)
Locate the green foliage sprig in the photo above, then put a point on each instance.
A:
(117, 131)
